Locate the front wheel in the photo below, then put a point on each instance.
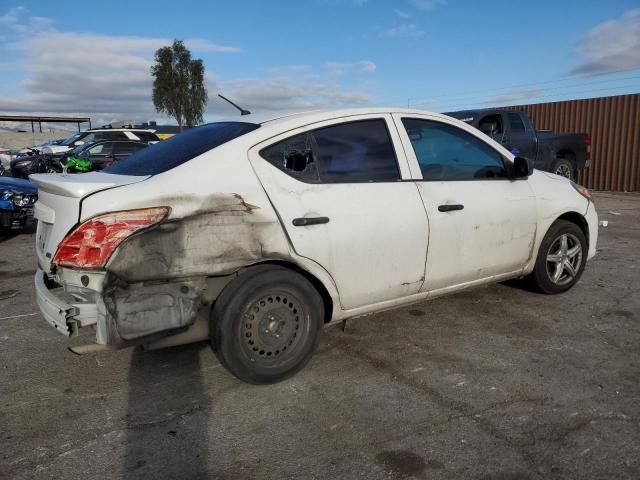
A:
(561, 258)
(266, 324)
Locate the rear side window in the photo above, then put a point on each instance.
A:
(180, 148)
(124, 148)
(353, 152)
(515, 122)
(445, 152)
(101, 149)
(110, 135)
(146, 136)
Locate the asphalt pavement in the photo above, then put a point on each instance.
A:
(493, 383)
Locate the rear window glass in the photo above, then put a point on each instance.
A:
(181, 148)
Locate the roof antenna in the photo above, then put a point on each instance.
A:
(242, 110)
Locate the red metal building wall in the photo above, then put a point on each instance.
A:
(614, 126)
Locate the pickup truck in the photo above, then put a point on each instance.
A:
(560, 153)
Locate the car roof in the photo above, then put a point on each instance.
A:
(312, 116)
(120, 130)
(115, 140)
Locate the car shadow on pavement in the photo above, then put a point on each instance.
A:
(167, 415)
(521, 284)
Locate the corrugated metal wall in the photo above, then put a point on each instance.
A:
(614, 126)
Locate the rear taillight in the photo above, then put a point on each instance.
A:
(587, 140)
(91, 244)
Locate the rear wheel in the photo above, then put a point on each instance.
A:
(266, 324)
(561, 258)
(564, 167)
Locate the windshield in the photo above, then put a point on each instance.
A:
(76, 150)
(71, 139)
(180, 148)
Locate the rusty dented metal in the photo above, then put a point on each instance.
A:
(156, 279)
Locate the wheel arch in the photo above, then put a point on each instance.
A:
(579, 220)
(327, 299)
(566, 154)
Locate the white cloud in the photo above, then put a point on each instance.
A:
(515, 96)
(612, 46)
(401, 13)
(279, 93)
(202, 45)
(427, 5)
(17, 20)
(108, 77)
(406, 30)
(343, 68)
(91, 74)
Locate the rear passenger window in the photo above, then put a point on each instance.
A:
(352, 152)
(515, 122)
(147, 136)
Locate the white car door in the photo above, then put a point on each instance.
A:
(338, 190)
(482, 223)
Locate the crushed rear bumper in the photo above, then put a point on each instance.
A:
(64, 311)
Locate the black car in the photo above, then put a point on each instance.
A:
(101, 154)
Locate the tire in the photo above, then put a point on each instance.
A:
(565, 168)
(266, 324)
(559, 267)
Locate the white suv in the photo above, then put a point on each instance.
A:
(256, 234)
(97, 134)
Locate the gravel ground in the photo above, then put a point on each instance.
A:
(493, 383)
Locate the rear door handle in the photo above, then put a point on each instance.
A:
(306, 221)
(450, 207)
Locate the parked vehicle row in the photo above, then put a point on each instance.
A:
(255, 234)
(83, 158)
(91, 149)
(560, 153)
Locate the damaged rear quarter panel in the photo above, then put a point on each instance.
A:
(220, 221)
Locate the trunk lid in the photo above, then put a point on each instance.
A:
(59, 202)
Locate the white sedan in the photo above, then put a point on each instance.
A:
(255, 234)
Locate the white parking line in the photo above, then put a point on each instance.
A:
(18, 316)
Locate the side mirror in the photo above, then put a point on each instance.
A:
(522, 167)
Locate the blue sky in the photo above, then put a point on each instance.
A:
(93, 57)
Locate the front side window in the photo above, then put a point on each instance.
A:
(515, 122)
(98, 149)
(445, 152)
(126, 148)
(353, 152)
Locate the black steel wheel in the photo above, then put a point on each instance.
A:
(266, 324)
